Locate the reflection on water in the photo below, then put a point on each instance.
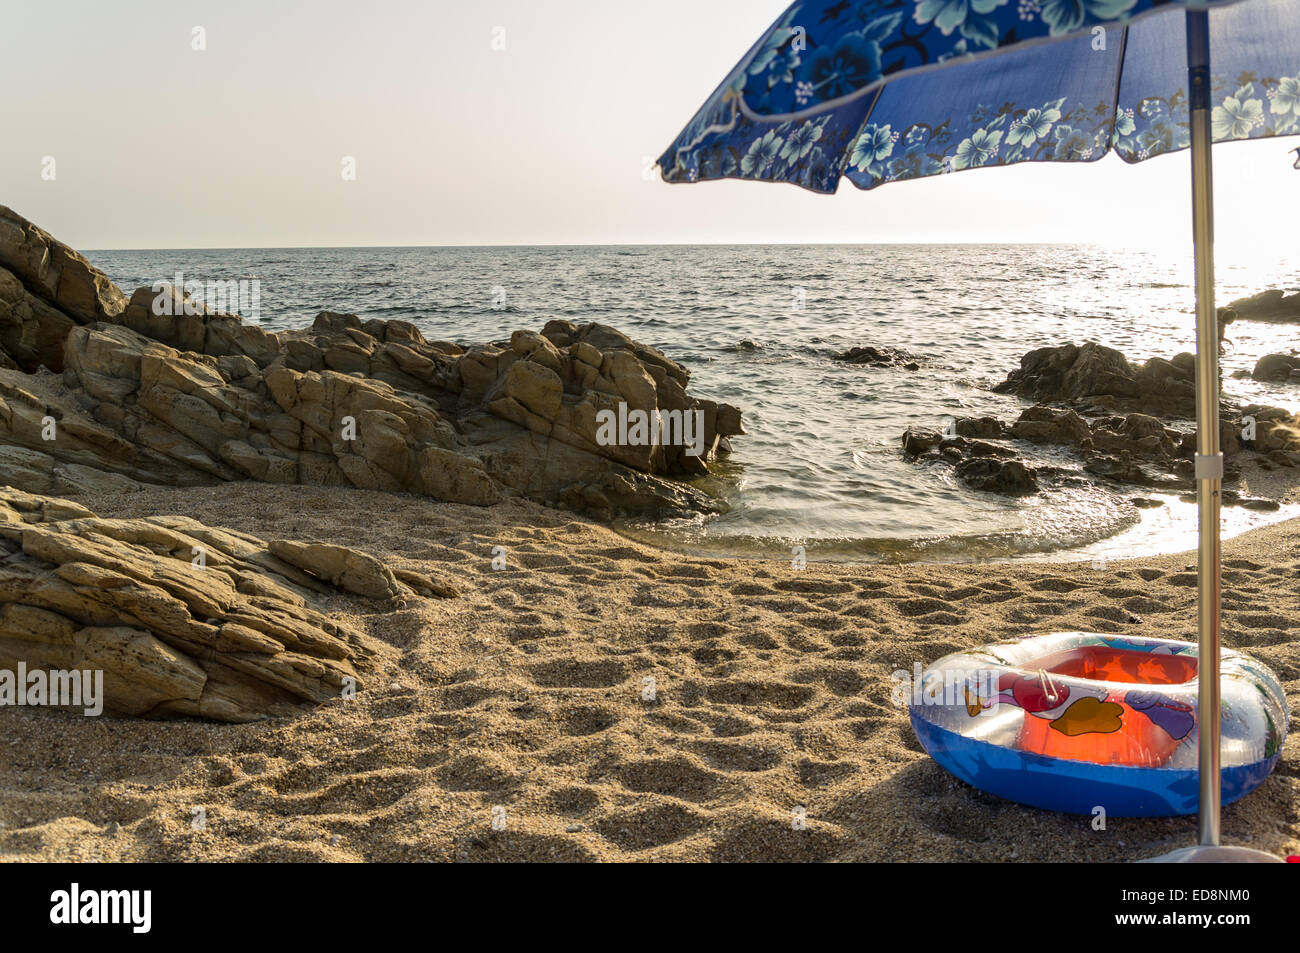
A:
(757, 326)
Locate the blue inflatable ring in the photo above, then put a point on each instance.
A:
(1074, 721)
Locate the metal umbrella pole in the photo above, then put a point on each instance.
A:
(1209, 466)
(1209, 456)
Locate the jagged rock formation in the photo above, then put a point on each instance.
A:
(45, 289)
(1104, 378)
(103, 393)
(182, 618)
(161, 390)
(1274, 305)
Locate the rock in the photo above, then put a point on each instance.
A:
(1010, 477)
(1092, 373)
(36, 472)
(447, 475)
(195, 397)
(917, 442)
(1123, 468)
(878, 357)
(31, 331)
(1274, 305)
(426, 585)
(183, 619)
(339, 566)
(1276, 368)
(1140, 426)
(56, 274)
(1233, 498)
(1276, 431)
(170, 316)
(527, 394)
(1259, 504)
(1041, 424)
(986, 427)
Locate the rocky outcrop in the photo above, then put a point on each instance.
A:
(980, 464)
(32, 332)
(1103, 377)
(1134, 449)
(387, 410)
(1274, 305)
(45, 289)
(181, 618)
(1271, 431)
(1277, 369)
(160, 389)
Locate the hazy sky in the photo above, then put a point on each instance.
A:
(241, 144)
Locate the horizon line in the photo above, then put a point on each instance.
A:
(827, 244)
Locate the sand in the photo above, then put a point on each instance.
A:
(520, 706)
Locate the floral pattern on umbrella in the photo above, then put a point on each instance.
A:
(742, 131)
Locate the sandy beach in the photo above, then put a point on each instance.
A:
(521, 702)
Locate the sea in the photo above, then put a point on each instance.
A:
(820, 473)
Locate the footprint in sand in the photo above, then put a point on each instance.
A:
(582, 720)
(651, 825)
(570, 673)
(739, 756)
(676, 776)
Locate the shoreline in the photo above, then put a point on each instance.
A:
(525, 693)
(838, 551)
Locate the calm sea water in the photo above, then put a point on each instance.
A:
(757, 326)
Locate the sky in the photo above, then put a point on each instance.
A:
(513, 122)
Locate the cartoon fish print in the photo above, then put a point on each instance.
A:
(1175, 717)
(1090, 715)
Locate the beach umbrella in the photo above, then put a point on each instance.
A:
(878, 91)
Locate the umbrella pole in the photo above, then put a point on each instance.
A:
(1209, 458)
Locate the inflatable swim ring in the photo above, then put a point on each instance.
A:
(1074, 720)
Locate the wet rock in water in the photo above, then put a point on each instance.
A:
(578, 416)
(1277, 369)
(878, 357)
(917, 441)
(1103, 376)
(1136, 448)
(980, 464)
(1274, 305)
(986, 427)
(182, 618)
(1009, 477)
(1041, 424)
(1123, 468)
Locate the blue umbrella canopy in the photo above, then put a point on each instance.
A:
(880, 91)
(852, 89)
